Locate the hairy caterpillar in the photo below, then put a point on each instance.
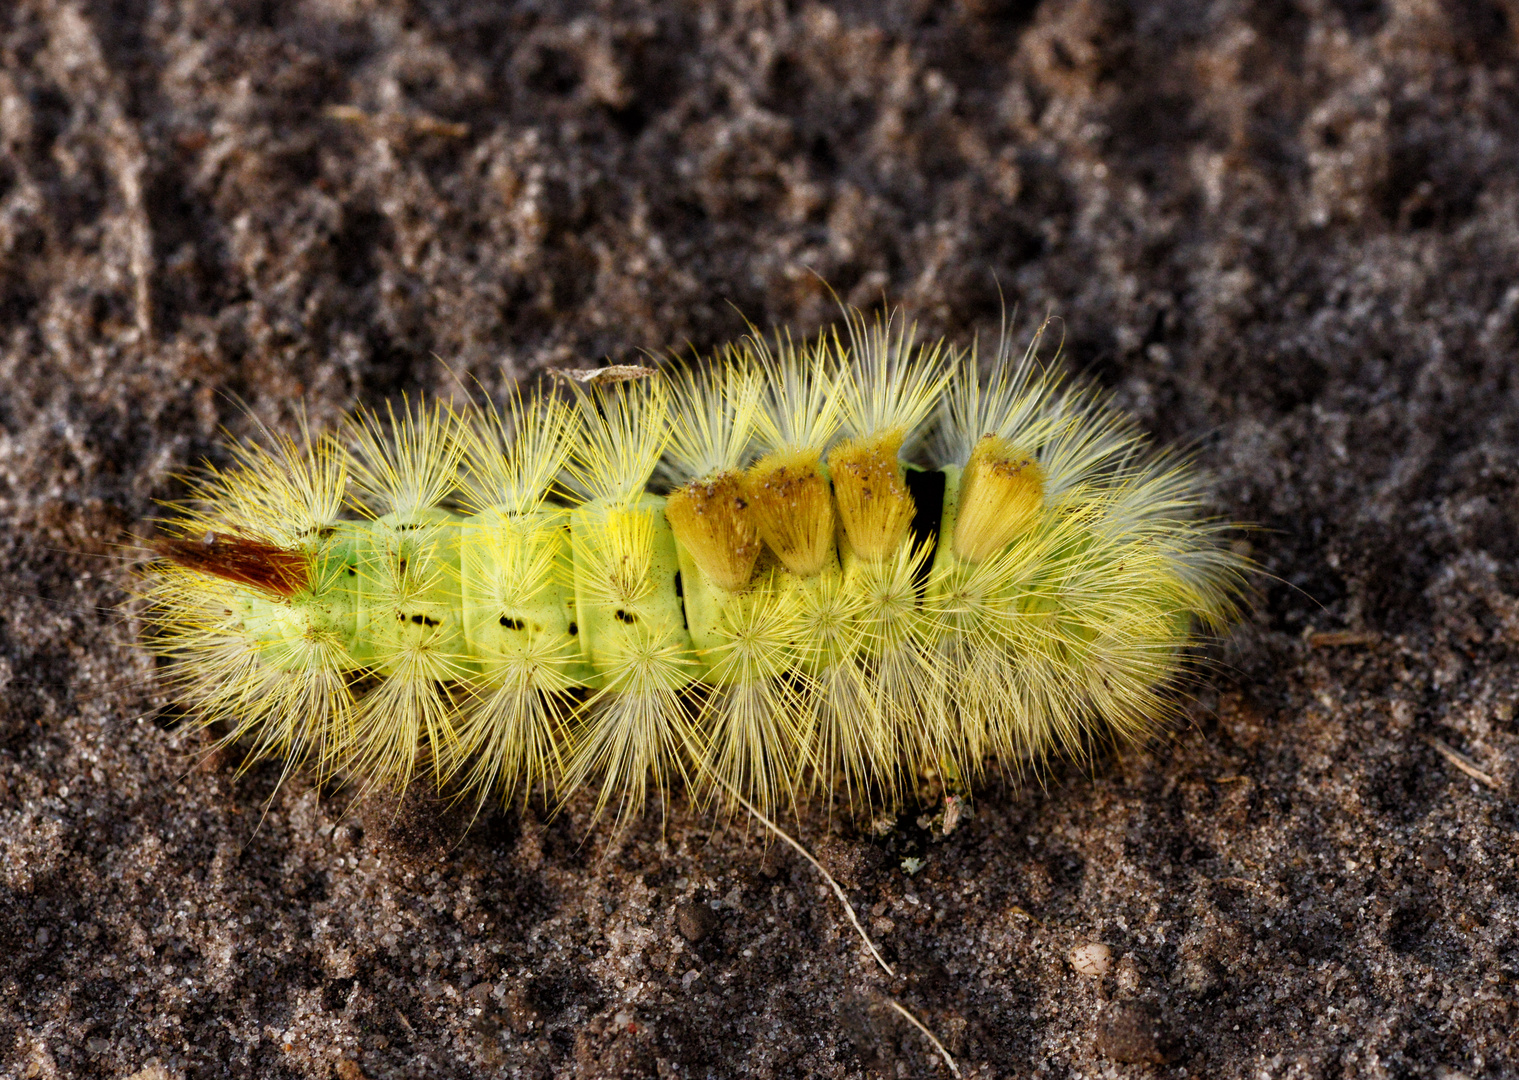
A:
(870, 558)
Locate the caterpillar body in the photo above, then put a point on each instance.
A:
(828, 566)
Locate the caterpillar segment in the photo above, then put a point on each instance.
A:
(804, 569)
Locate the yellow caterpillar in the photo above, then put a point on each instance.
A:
(870, 559)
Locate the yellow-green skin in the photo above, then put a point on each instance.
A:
(380, 586)
(610, 632)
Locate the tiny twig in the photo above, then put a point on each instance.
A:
(849, 910)
(1464, 763)
(1017, 910)
(1238, 881)
(602, 376)
(1319, 639)
(417, 123)
(837, 889)
(929, 1035)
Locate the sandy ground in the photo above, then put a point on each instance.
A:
(1284, 232)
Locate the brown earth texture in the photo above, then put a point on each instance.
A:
(1285, 233)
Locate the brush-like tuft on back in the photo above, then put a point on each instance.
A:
(1001, 497)
(889, 384)
(714, 417)
(788, 487)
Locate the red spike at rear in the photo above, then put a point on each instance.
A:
(240, 559)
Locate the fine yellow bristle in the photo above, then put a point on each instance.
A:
(615, 549)
(638, 729)
(756, 741)
(886, 389)
(801, 405)
(623, 431)
(906, 676)
(302, 713)
(513, 458)
(793, 509)
(713, 413)
(409, 463)
(1088, 442)
(282, 492)
(848, 735)
(409, 719)
(511, 734)
(788, 489)
(874, 504)
(713, 422)
(1001, 496)
(713, 520)
(514, 725)
(411, 716)
(1015, 400)
(891, 382)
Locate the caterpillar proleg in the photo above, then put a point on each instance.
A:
(823, 567)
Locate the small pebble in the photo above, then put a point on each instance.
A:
(695, 921)
(1127, 974)
(1199, 975)
(520, 1012)
(1432, 857)
(1129, 1033)
(1092, 959)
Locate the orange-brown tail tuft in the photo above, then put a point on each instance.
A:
(243, 560)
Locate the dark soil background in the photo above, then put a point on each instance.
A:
(1286, 232)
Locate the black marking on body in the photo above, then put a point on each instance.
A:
(680, 596)
(927, 489)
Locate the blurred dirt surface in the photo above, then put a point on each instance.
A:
(1284, 233)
